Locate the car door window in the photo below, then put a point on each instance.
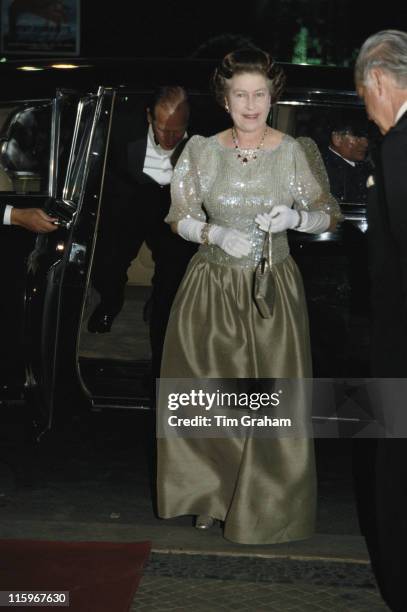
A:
(76, 166)
(66, 110)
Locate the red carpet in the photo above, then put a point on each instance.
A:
(100, 576)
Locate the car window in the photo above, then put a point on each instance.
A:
(66, 120)
(342, 135)
(25, 133)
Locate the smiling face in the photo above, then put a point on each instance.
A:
(248, 99)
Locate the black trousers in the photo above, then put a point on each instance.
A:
(380, 471)
(138, 219)
(382, 506)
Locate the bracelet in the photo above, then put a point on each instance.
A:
(205, 233)
(300, 220)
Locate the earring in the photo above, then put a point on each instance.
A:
(227, 108)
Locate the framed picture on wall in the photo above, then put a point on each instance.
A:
(40, 27)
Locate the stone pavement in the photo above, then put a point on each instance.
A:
(199, 582)
(159, 594)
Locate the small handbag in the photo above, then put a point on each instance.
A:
(264, 287)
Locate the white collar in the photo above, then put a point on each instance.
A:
(401, 111)
(350, 162)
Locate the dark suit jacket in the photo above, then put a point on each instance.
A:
(135, 204)
(348, 183)
(387, 218)
(127, 151)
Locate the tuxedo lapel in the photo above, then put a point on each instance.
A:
(136, 154)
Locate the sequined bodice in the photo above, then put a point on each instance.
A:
(210, 182)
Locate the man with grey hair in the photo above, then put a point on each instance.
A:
(381, 80)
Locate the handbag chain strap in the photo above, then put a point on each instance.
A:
(268, 249)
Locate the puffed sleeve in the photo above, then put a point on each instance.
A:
(186, 189)
(310, 186)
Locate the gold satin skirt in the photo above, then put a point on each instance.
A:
(263, 489)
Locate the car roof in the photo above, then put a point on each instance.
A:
(42, 77)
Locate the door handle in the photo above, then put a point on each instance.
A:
(61, 223)
(62, 211)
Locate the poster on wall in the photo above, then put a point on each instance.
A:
(40, 27)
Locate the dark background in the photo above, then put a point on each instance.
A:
(335, 29)
(312, 31)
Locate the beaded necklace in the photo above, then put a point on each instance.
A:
(246, 155)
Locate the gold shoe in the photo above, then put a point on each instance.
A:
(203, 521)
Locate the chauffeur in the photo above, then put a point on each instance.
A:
(348, 168)
(138, 191)
(345, 160)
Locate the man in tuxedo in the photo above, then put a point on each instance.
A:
(347, 167)
(138, 193)
(345, 159)
(381, 80)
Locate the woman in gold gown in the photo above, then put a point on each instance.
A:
(227, 190)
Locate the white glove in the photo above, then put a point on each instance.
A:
(232, 241)
(312, 222)
(279, 219)
(190, 229)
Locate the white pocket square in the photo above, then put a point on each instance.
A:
(370, 181)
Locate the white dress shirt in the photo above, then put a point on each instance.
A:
(349, 161)
(401, 111)
(7, 215)
(157, 163)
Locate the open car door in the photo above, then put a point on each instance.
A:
(59, 266)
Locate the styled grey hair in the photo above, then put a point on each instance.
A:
(386, 50)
